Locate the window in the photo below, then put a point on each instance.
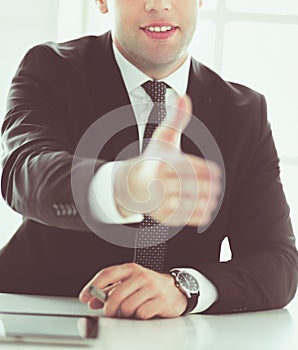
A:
(252, 42)
(255, 43)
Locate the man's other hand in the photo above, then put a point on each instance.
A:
(134, 291)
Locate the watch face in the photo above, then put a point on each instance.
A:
(188, 282)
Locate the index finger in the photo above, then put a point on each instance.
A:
(104, 278)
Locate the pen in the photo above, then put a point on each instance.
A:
(98, 293)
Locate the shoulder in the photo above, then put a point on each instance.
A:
(232, 93)
(66, 65)
(242, 110)
(76, 53)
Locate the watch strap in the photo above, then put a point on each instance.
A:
(191, 303)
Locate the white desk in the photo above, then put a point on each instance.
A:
(270, 330)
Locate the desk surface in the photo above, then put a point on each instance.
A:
(274, 330)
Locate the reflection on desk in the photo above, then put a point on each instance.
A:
(268, 330)
(272, 330)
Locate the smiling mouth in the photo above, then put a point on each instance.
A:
(159, 29)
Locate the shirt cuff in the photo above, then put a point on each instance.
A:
(101, 198)
(208, 291)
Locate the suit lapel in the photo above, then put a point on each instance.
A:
(108, 94)
(207, 105)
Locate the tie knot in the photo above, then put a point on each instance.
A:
(156, 90)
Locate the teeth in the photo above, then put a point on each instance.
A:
(159, 29)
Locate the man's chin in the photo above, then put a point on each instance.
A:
(158, 59)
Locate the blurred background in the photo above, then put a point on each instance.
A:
(251, 42)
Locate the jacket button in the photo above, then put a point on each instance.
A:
(63, 209)
(57, 209)
(69, 209)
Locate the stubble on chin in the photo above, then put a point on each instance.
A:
(158, 59)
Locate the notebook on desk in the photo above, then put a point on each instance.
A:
(37, 304)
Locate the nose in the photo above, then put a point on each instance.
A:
(157, 5)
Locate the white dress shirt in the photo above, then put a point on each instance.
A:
(101, 197)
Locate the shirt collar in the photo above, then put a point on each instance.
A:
(134, 78)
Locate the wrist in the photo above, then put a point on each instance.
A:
(121, 189)
(180, 301)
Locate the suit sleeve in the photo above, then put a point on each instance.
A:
(37, 154)
(262, 273)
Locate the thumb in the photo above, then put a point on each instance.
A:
(172, 127)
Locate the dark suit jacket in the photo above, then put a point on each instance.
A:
(58, 91)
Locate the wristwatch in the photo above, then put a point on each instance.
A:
(188, 285)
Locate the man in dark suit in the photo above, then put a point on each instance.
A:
(58, 92)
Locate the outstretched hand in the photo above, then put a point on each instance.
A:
(172, 187)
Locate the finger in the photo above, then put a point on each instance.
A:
(95, 304)
(189, 193)
(106, 277)
(86, 294)
(130, 305)
(172, 185)
(203, 217)
(188, 166)
(190, 211)
(120, 293)
(171, 129)
(201, 167)
(149, 309)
